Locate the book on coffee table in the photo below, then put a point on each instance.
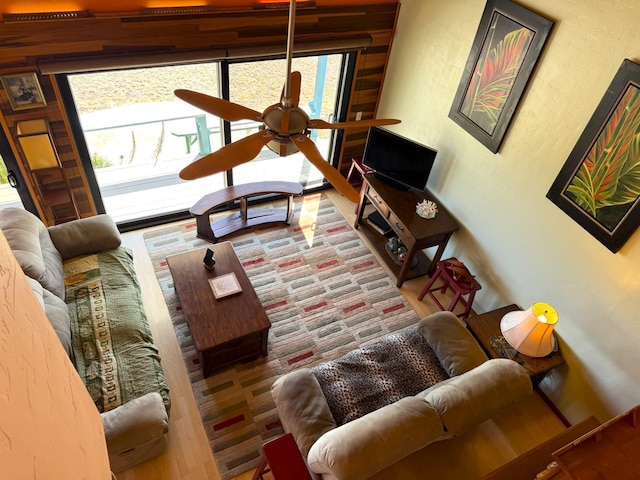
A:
(225, 285)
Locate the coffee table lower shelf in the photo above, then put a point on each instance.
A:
(239, 350)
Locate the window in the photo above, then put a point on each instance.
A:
(139, 135)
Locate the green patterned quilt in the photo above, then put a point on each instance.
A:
(112, 343)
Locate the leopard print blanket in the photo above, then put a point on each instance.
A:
(397, 365)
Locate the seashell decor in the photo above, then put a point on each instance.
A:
(427, 209)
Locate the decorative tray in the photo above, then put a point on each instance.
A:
(225, 285)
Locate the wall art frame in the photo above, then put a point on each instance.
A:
(599, 184)
(504, 53)
(23, 90)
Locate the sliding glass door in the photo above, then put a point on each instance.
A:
(139, 135)
(13, 188)
(9, 196)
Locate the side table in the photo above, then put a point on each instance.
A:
(487, 325)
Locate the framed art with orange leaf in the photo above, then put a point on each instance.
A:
(599, 184)
(504, 52)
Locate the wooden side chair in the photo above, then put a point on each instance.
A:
(357, 165)
(457, 277)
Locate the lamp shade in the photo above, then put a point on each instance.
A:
(531, 331)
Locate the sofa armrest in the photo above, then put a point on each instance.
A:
(369, 444)
(85, 235)
(302, 407)
(456, 349)
(135, 431)
(473, 397)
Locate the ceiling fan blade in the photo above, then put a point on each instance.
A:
(295, 81)
(309, 150)
(224, 109)
(374, 122)
(228, 156)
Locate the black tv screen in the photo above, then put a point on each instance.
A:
(401, 162)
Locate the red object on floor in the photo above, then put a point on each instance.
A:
(457, 277)
(356, 164)
(283, 459)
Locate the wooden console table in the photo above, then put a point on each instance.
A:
(398, 208)
(213, 231)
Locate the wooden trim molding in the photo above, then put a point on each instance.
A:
(179, 57)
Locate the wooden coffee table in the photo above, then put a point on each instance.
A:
(225, 330)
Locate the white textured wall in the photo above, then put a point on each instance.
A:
(49, 426)
(522, 247)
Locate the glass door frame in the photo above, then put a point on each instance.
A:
(342, 101)
(14, 170)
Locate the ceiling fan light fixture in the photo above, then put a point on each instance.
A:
(274, 115)
(282, 146)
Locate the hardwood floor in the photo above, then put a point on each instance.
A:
(189, 457)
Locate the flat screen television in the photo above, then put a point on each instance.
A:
(400, 162)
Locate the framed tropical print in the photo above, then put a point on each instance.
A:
(599, 184)
(504, 52)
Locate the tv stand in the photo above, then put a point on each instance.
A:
(398, 208)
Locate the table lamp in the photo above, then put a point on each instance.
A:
(530, 332)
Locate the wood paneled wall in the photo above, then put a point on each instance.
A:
(26, 44)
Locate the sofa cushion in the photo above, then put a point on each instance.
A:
(114, 350)
(369, 444)
(455, 347)
(56, 311)
(135, 431)
(86, 235)
(475, 396)
(32, 246)
(302, 408)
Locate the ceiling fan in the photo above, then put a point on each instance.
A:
(284, 128)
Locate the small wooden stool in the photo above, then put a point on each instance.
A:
(283, 459)
(457, 277)
(356, 164)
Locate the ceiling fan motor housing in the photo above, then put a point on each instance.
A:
(298, 123)
(298, 119)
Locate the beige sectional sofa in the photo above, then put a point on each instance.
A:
(86, 284)
(476, 390)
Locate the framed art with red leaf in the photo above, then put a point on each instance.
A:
(504, 52)
(599, 184)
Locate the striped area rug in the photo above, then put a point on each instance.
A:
(325, 294)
